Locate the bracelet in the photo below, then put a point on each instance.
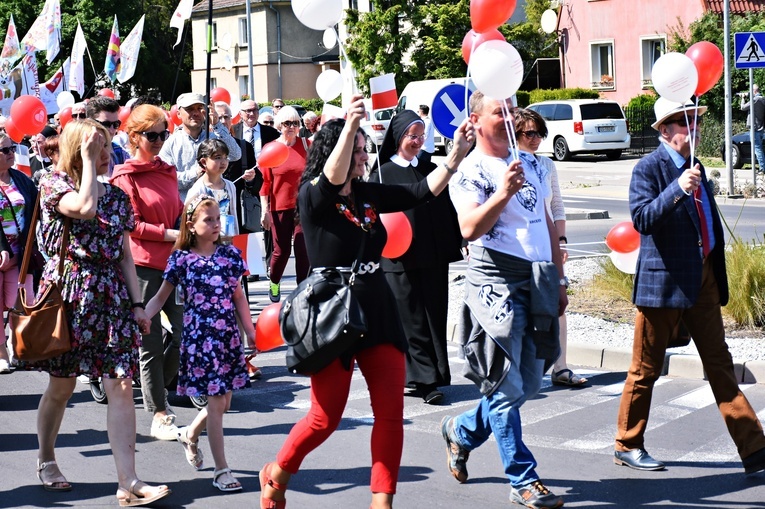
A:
(563, 238)
(134, 305)
(450, 171)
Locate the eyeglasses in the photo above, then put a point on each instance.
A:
(79, 115)
(116, 124)
(268, 122)
(682, 122)
(290, 123)
(531, 134)
(277, 106)
(152, 136)
(225, 117)
(250, 111)
(8, 150)
(414, 137)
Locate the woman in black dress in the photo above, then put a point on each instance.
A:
(336, 210)
(420, 277)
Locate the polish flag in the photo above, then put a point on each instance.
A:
(22, 160)
(383, 90)
(251, 246)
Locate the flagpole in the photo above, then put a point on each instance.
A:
(180, 62)
(95, 74)
(209, 65)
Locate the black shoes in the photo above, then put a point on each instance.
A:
(754, 462)
(638, 459)
(456, 455)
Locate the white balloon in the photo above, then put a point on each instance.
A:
(675, 77)
(329, 85)
(64, 99)
(225, 42)
(625, 262)
(497, 69)
(318, 14)
(329, 39)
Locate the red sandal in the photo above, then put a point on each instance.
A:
(265, 479)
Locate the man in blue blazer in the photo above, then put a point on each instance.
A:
(680, 276)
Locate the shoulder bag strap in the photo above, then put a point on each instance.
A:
(357, 261)
(31, 237)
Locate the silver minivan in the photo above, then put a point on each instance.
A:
(578, 126)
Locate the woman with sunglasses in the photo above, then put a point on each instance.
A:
(420, 277)
(148, 182)
(530, 130)
(17, 200)
(278, 198)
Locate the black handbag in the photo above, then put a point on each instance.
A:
(322, 319)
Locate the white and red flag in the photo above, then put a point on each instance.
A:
(383, 90)
(181, 14)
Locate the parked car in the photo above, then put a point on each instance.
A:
(741, 148)
(578, 126)
(374, 128)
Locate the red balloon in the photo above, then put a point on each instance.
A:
(623, 238)
(106, 92)
(170, 125)
(220, 94)
(486, 15)
(13, 131)
(174, 115)
(65, 116)
(29, 114)
(709, 63)
(273, 154)
(123, 115)
(399, 234)
(267, 333)
(473, 39)
(236, 119)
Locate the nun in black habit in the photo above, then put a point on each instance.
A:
(420, 277)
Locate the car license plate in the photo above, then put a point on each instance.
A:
(606, 129)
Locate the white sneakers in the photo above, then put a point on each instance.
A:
(5, 367)
(163, 427)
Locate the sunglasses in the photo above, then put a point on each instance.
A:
(79, 115)
(8, 150)
(116, 124)
(250, 111)
(682, 122)
(225, 117)
(152, 136)
(277, 106)
(290, 123)
(531, 134)
(268, 122)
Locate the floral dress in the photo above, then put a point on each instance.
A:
(212, 354)
(105, 336)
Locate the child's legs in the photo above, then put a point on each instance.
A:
(329, 394)
(216, 407)
(384, 369)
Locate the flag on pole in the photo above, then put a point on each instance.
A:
(53, 26)
(112, 64)
(30, 85)
(22, 160)
(383, 90)
(55, 85)
(129, 52)
(181, 14)
(77, 64)
(45, 32)
(11, 48)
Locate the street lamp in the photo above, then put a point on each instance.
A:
(549, 22)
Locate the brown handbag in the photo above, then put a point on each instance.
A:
(40, 331)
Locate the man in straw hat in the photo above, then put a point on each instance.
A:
(680, 277)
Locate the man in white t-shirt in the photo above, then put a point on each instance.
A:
(514, 268)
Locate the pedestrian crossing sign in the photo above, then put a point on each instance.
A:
(750, 50)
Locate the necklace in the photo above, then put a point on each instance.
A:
(347, 209)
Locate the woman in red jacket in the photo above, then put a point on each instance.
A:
(152, 187)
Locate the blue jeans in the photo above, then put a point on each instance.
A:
(758, 150)
(499, 412)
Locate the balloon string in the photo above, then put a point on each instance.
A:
(695, 130)
(344, 55)
(510, 132)
(467, 80)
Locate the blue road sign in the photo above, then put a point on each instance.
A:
(448, 110)
(749, 50)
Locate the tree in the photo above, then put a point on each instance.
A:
(157, 62)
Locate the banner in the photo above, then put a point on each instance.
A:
(129, 52)
(181, 14)
(55, 85)
(77, 65)
(45, 32)
(21, 80)
(112, 63)
(11, 48)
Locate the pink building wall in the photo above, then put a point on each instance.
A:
(624, 22)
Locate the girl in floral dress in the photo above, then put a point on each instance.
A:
(212, 355)
(104, 310)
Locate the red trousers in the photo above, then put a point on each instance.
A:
(383, 368)
(283, 231)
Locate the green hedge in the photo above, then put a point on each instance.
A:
(539, 95)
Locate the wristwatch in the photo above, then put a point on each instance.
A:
(563, 281)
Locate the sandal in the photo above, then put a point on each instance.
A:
(265, 479)
(567, 377)
(61, 485)
(231, 486)
(133, 499)
(193, 454)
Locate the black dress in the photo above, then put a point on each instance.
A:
(332, 239)
(419, 278)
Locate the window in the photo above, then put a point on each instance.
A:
(213, 83)
(244, 86)
(602, 64)
(243, 40)
(563, 112)
(651, 48)
(214, 36)
(547, 111)
(353, 4)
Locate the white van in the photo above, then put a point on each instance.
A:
(423, 92)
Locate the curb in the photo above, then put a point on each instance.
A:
(587, 214)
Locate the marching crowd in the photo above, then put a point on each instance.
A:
(146, 216)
